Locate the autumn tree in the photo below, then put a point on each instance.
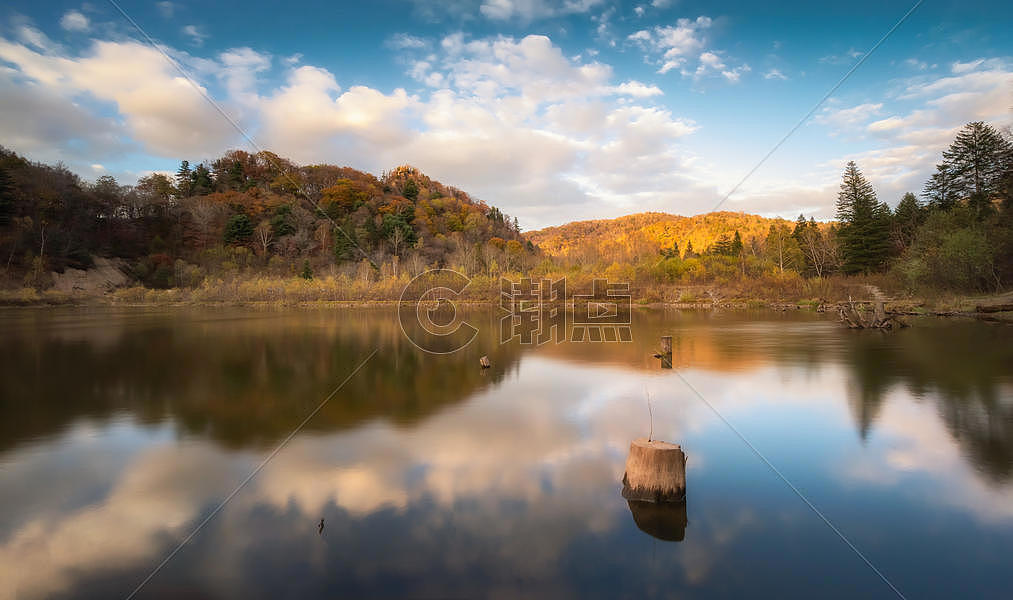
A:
(781, 248)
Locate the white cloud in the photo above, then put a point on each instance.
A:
(159, 108)
(33, 37)
(775, 74)
(405, 41)
(675, 47)
(844, 58)
(166, 9)
(196, 36)
(848, 118)
(959, 67)
(529, 10)
(637, 89)
(74, 20)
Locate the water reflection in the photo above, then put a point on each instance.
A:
(122, 430)
(665, 521)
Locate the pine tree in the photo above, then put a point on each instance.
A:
(940, 190)
(973, 169)
(800, 227)
(865, 222)
(689, 251)
(906, 219)
(184, 179)
(201, 181)
(6, 197)
(736, 247)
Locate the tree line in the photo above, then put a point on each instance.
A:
(260, 215)
(245, 212)
(958, 236)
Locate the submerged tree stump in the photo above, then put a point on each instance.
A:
(655, 472)
(666, 521)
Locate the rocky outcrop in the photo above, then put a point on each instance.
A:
(107, 274)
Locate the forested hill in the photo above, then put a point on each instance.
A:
(632, 235)
(240, 212)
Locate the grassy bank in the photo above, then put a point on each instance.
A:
(780, 292)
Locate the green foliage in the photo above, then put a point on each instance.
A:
(410, 190)
(281, 222)
(307, 272)
(238, 229)
(906, 220)
(6, 197)
(184, 179)
(954, 250)
(865, 224)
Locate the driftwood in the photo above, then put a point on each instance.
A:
(878, 319)
(484, 361)
(994, 308)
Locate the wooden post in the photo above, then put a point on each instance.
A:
(666, 344)
(655, 472)
(666, 352)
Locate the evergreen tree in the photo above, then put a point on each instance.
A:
(689, 251)
(973, 169)
(184, 179)
(864, 232)
(940, 190)
(307, 272)
(906, 219)
(201, 181)
(410, 190)
(239, 229)
(672, 252)
(800, 227)
(6, 197)
(736, 247)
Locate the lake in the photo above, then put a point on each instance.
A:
(122, 430)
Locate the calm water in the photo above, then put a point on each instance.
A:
(121, 430)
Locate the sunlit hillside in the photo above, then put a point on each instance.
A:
(632, 235)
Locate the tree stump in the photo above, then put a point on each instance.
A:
(666, 352)
(655, 472)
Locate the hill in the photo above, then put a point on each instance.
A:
(633, 235)
(245, 213)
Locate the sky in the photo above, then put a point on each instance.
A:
(553, 110)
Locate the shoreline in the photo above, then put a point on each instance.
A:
(964, 306)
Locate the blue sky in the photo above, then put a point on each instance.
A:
(552, 110)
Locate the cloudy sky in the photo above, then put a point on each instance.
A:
(552, 110)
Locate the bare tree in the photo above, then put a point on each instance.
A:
(264, 235)
(820, 250)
